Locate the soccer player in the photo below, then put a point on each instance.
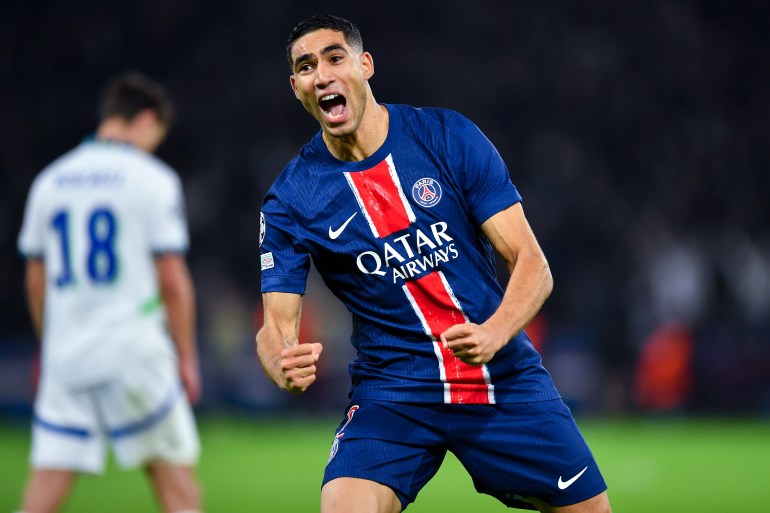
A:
(400, 210)
(110, 296)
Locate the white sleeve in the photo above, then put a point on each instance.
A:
(168, 223)
(31, 242)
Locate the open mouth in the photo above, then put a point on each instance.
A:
(333, 105)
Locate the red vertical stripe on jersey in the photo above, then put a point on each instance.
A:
(381, 199)
(467, 383)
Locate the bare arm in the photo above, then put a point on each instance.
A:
(530, 283)
(178, 295)
(529, 286)
(288, 363)
(35, 287)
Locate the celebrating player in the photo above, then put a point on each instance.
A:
(400, 210)
(104, 236)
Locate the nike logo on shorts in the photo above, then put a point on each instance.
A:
(563, 485)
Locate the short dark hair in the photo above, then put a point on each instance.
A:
(325, 21)
(131, 92)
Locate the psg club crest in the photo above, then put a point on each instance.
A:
(426, 192)
(334, 449)
(336, 444)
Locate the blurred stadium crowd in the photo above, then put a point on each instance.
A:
(637, 133)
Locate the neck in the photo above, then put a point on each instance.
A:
(114, 130)
(366, 140)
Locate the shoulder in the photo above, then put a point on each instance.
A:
(145, 170)
(451, 120)
(434, 123)
(287, 177)
(48, 175)
(299, 171)
(146, 177)
(151, 164)
(427, 115)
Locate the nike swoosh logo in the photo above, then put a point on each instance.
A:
(333, 234)
(563, 485)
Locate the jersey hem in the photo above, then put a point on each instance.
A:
(436, 397)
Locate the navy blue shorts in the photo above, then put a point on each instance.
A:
(511, 451)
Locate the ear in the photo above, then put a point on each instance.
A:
(367, 64)
(293, 86)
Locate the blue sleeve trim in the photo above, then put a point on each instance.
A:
(32, 256)
(497, 205)
(283, 284)
(169, 251)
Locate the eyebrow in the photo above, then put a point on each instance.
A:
(308, 56)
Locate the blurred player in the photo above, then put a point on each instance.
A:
(111, 298)
(400, 210)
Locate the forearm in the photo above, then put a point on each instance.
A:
(35, 306)
(180, 313)
(35, 288)
(270, 342)
(289, 364)
(178, 295)
(528, 287)
(530, 283)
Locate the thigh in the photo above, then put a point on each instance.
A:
(515, 451)
(596, 504)
(353, 495)
(66, 434)
(387, 443)
(148, 417)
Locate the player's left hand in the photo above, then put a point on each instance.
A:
(191, 379)
(472, 343)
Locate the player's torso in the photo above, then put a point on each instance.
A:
(392, 234)
(100, 278)
(95, 242)
(392, 238)
(397, 238)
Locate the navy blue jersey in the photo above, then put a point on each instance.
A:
(396, 237)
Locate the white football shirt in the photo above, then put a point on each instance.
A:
(97, 216)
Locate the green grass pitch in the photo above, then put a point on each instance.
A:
(275, 465)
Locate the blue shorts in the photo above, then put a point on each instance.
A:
(511, 451)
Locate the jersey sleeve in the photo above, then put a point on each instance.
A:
(284, 264)
(482, 173)
(31, 242)
(167, 219)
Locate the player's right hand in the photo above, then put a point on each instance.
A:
(298, 366)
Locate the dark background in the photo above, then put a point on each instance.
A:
(637, 133)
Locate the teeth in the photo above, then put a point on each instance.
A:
(328, 97)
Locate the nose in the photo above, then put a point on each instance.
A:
(323, 75)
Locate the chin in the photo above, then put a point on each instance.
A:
(340, 130)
